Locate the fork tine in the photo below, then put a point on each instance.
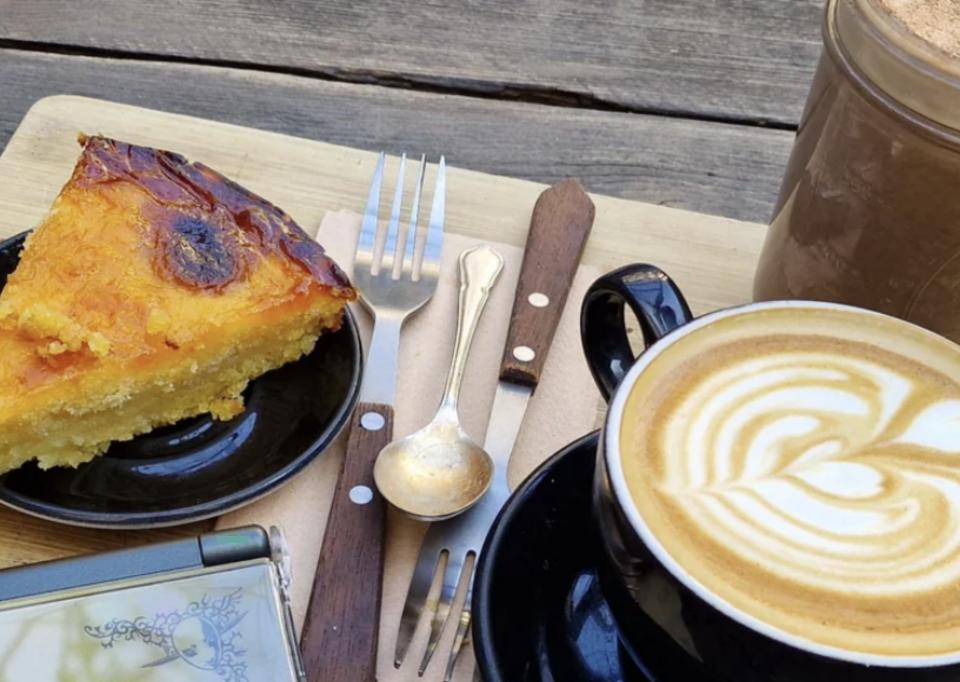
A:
(434, 243)
(463, 629)
(451, 582)
(457, 645)
(368, 230)
(413, 606)
(393, 227)
(411, 243)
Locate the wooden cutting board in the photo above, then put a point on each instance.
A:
(711, 258)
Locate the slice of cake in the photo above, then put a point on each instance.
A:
(154, 290)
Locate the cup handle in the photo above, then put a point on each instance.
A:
(653, 298)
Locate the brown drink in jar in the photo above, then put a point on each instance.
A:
(869, 209)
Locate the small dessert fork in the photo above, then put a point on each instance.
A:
(339, 641)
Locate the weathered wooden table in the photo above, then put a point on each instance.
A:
(686, 103)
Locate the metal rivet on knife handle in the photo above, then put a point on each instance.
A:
(538, 300)
(361, 494)
(372, 421)
(524, 353)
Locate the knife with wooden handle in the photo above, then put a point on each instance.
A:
(561, 222)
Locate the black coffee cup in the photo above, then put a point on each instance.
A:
(668, 622)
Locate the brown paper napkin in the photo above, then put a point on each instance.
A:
(564, 407)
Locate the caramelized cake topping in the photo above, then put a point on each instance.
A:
(207, 227)
(158, 217)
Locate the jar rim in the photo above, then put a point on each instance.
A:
(898, 62)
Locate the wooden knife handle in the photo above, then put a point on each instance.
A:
(561, 222)
(339, 641)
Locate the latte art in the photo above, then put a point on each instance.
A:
(808, 460)
(810, 481)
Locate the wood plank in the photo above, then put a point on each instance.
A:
(714, 168)
(741, 59)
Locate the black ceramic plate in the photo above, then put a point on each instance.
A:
(538, 612)
(201, 467)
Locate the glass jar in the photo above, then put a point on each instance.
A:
(869, 209)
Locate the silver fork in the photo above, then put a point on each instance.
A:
(449, 550)
(339, 641)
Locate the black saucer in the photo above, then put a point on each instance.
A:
(538, 614)
(201, 467)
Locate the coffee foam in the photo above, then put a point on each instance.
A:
(804, 466)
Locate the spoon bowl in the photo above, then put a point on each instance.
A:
(434, 473)
(438, 471)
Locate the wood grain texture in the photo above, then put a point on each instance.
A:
(708, 167)
(742, 59)
(559, 227)
(341, 631)
(25, 539)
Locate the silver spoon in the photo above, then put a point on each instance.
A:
(438, 471)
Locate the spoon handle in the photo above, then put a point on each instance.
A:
(480, 267)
